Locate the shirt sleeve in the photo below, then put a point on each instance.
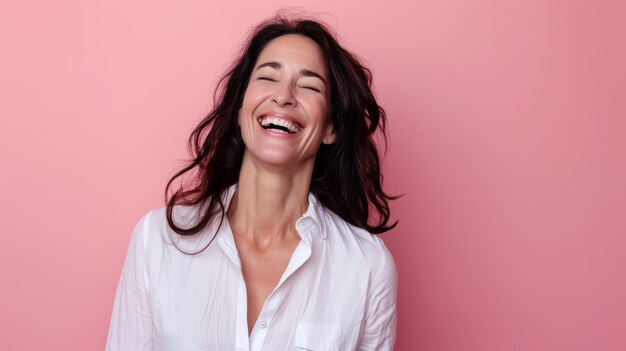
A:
(379, 332)
(131, 321)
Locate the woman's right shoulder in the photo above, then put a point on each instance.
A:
(153, 224)
(154, 230)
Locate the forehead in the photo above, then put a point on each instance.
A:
(294, 50)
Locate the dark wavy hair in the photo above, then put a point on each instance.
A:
(346, 175)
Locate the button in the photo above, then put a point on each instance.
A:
(263, 325)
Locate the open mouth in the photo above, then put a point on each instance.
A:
(279, 125)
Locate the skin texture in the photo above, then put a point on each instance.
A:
(288, 81)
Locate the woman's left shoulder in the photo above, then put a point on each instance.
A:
(357, 240)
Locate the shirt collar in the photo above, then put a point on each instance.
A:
(186, 215)
(314, 210)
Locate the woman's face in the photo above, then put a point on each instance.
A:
(283, 117)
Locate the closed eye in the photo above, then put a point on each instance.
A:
(266, 78)
(311, 88)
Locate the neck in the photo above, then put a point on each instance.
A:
(268, 201)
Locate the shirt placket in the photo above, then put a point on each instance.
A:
(227, 243)
(259, 331)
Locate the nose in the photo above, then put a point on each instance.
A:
(283, 96)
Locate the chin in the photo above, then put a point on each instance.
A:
(277, 160)
(277, 156)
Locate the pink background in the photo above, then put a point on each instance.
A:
(507, 121)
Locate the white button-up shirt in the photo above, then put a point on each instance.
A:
(338, 291)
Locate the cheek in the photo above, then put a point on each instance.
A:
(254, 94)
(246, 102)
(320, 111)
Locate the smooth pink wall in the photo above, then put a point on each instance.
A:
(507, 125)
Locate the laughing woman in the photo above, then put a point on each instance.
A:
(271, 246)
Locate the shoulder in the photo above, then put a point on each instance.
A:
(153, 228)
(338, 230)
(360, 245)
(150, 223)
(147, 231)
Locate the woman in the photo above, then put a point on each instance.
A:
(270, 247)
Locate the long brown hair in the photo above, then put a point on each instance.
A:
(346, 176)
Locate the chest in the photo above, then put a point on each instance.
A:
(261, 271)
(206, 294)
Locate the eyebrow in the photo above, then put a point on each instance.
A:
(305, 72)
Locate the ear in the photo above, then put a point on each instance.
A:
(329, 136)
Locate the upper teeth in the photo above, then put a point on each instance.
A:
(267, 120)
